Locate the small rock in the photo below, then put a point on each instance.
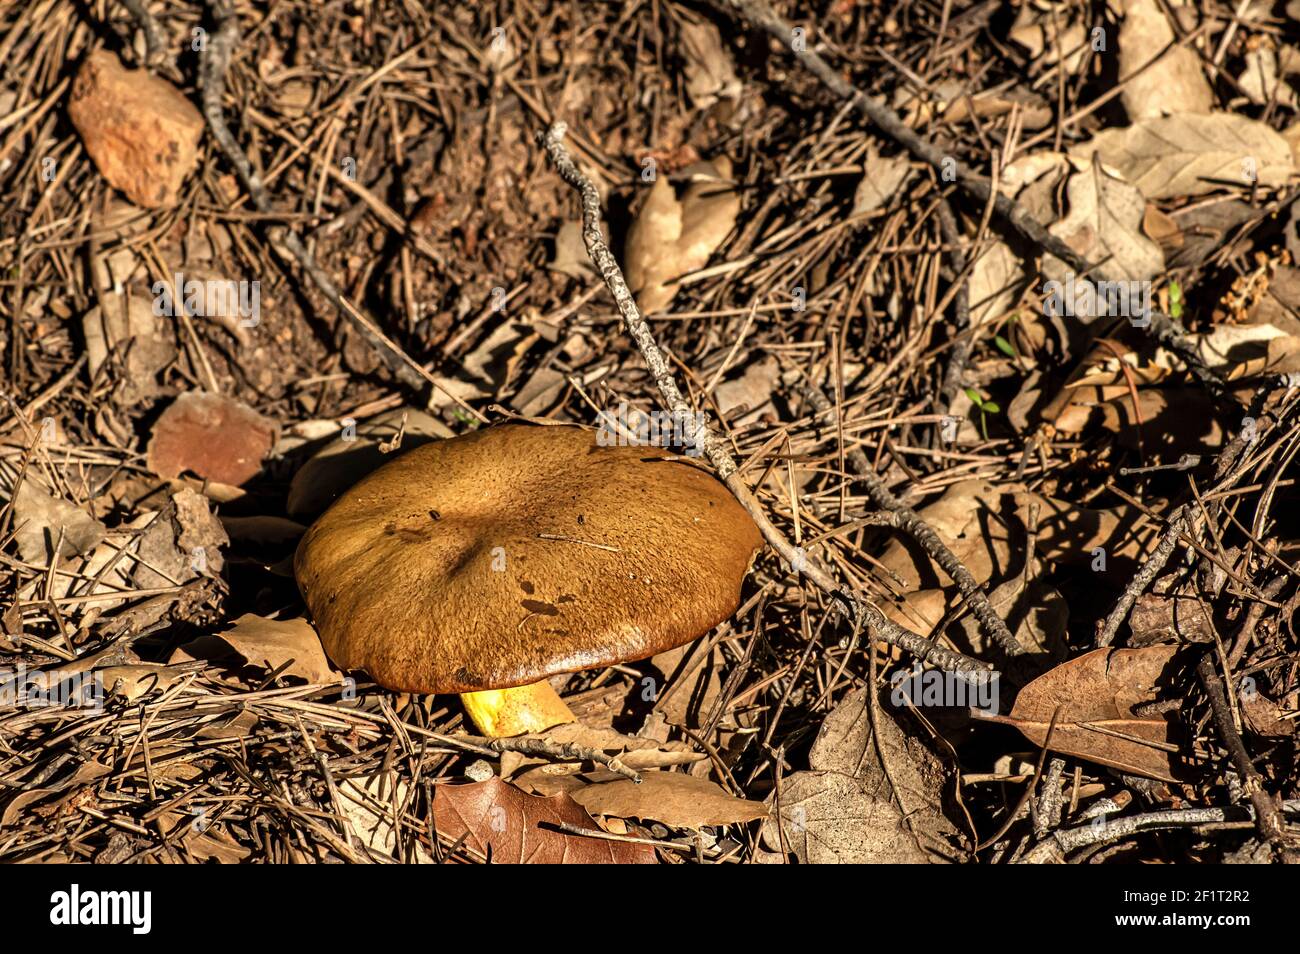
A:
(212, 436)
(142, 134)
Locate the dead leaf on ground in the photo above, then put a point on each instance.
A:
(1094, 697)
(853, 807)
(371, 816)
(1175, 84)
(498, 819)
(128, 331)
(269, 644)
(986, 528)
(882, 179)
(1261, 76)
(39, 518)
(489, 368)
(1193, 154)
(136, 680)
(205, 841)
(672, 237)
(1051, 33)
(1104, 224)
(676, 800)
(183, 542)
(710, 74)
(569, 256)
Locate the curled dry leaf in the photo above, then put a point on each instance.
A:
(212, 436)
(499, 820)
(672, 237)
(676, 800)
(866, 800)
(183, 542)
(1094, 698)
(1191, 154)
(135, 680)
(1261, 76)
(1050, 35)
(204, 840)
(1175, 84)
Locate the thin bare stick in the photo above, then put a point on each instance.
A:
(1268, 819)
(700, 435)
(155, 43)
(761, 15)
(909, 521)
(1054, 849)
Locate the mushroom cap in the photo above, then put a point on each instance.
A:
(509, 554)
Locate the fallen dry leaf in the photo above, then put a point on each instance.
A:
(676, 800)
(371, 817)
(499, 820)
(854, 807)
(183, 542)
(268, 643)
(710, 75)
(1193, 154)
(1093, 697)
(1050, 35)
(1104, 224)
(882, 178)
(672, 237)
(205, 841)
(1175, 84)
(128, 330)
(40, 518)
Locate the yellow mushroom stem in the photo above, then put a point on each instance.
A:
(501, 713)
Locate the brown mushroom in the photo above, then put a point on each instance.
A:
(486, 563)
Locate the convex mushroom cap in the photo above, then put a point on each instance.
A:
(510, 554)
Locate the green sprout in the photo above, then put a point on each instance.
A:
(1175, 300)
(464, 418)
(986, 407)
(1002, 339)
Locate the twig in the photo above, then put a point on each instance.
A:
(910, 522)
(761, 15)
(1268, 819)
(560, 751)
(699, 435)
(155, 43)
(1178, 526)
(1054, 849)
(964, 342)
(1183, 522)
